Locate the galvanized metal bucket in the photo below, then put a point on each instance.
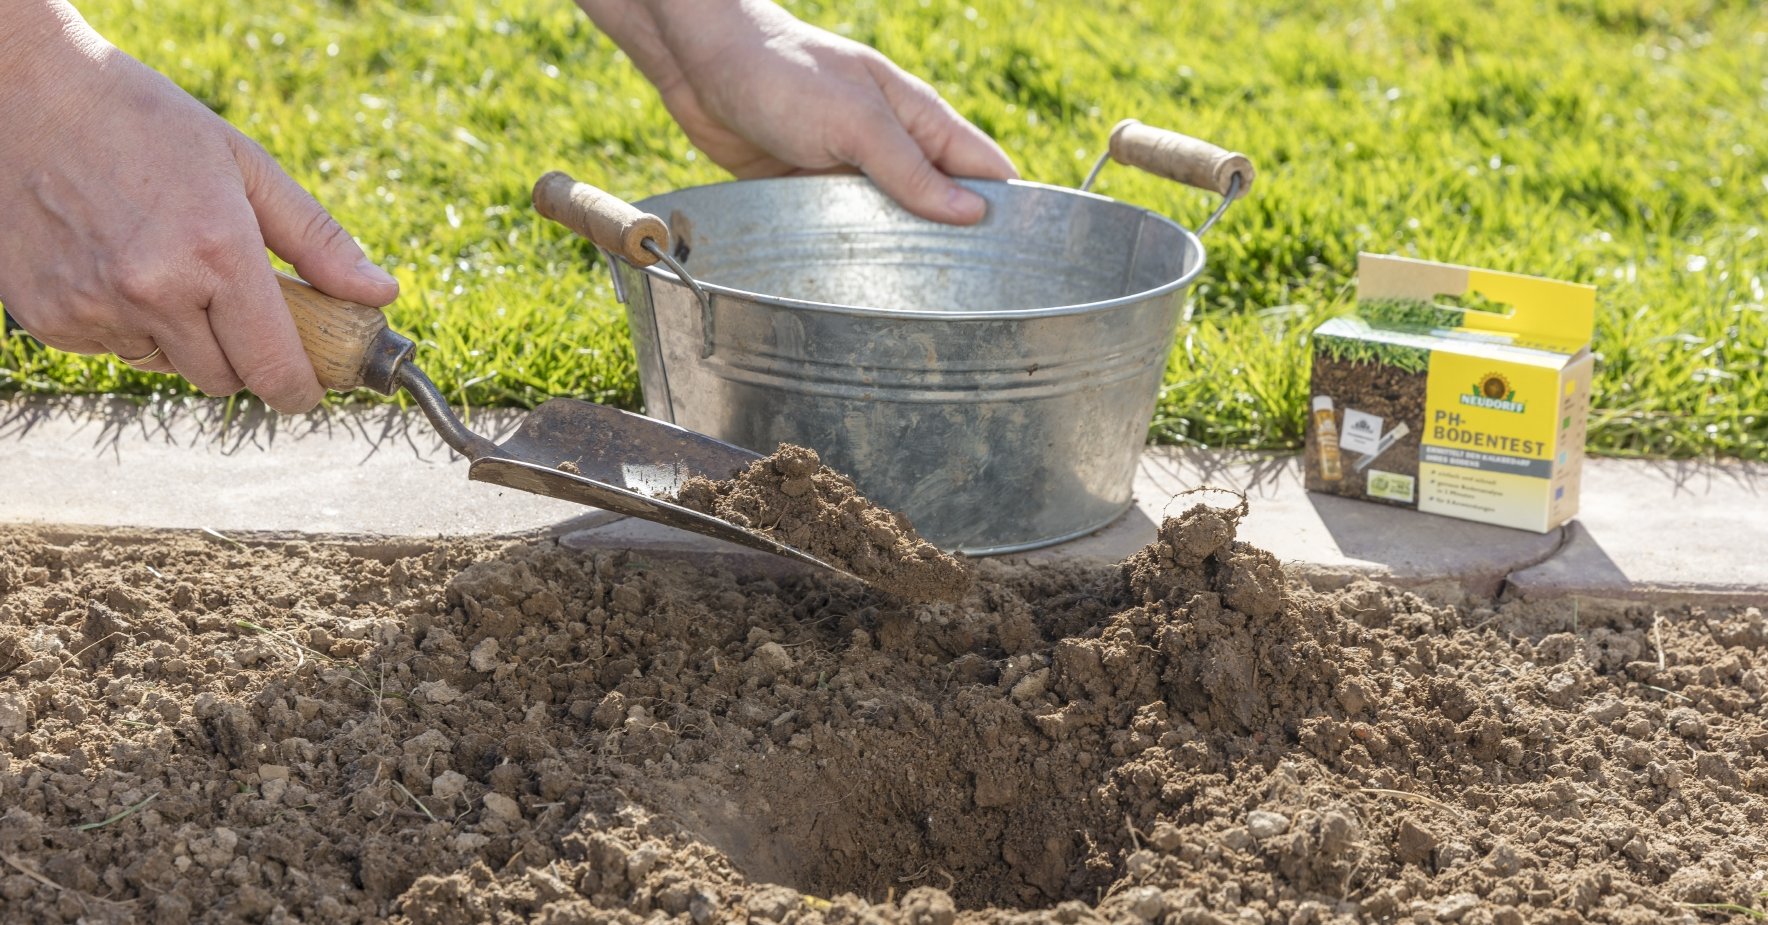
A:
(992, 382)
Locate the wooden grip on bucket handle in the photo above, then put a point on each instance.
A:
(1188, 160)
(601, 217)
(349, 345)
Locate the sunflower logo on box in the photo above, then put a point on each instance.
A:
(1493, 391)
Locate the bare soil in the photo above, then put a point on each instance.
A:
(790, 496)
(196, 731)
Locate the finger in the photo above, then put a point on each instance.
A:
(151, 358)
(158, 364)
(70, 344)
(914, 137)
(954, 145)
(884, 151)
(189, 348)
(252, 326)
(51, 324)
(299, 230)
(963, 150)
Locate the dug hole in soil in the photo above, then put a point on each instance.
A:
(194, 731)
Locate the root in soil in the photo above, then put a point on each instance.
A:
(307, 731)
(792, 497)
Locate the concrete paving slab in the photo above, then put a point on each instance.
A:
(1650, 531)
(185, 465)
(1657, 532)
(1328, 540)
(1666, 531)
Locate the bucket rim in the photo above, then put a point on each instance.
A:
(661, 272)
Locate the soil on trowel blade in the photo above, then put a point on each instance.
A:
(193, 731)
(792, 497)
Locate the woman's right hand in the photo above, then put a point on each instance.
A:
(766, 95)
(137, 219)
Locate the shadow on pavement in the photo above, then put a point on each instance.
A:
(1258, 475)
(230, 428)
(1701, 476)
(1413, 545)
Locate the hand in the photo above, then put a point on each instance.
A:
(137, 219)
(764, 94)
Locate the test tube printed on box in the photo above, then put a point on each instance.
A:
(1455, 391)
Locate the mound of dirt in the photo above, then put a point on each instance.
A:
(792, 497)
(196, 732)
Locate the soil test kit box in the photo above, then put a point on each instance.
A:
(1473, 409)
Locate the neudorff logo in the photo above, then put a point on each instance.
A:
(1493, 391)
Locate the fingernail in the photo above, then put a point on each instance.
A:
(374, 272)
(966, 205)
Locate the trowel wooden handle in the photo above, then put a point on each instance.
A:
(601, 217)
(349, 344)
(1188, 160)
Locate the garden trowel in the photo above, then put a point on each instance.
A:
(575, 450)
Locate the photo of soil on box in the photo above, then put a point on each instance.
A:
(1384, 380)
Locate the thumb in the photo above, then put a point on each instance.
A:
(298, 229)
(895, 162)
(903, 142)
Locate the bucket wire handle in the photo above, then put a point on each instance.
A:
(619, 228)
(1188, 160)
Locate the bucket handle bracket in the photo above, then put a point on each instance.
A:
(700, 292)
(620, 229)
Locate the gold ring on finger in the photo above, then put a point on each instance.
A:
(137, 361)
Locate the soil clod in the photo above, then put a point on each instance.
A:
(792, 497)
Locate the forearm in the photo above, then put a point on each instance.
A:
(28, 28)
(38, 40)
(632, 24)
(667, 38)
(22, 24)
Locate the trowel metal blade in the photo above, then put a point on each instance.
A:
(623, 463)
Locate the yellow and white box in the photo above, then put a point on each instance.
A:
(1455, 391)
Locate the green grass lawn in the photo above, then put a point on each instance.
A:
(1617, 142)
